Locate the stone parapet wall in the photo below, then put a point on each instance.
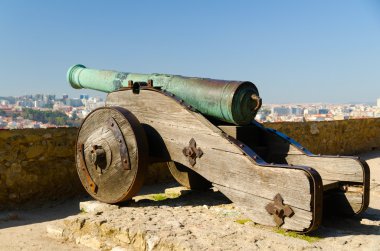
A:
(38, 164)
(342, 137)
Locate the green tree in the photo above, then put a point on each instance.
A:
(51, 117)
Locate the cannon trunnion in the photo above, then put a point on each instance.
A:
(272, 178)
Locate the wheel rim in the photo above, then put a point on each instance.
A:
(111, 154)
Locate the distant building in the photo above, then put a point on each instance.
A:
(25, 103)
(310, 111)
(378, 102)
(3, 124)
(38, 103)
(281, 111)
(298, 111)
(74, 102)
(49, 98)
(4, 102)
(323, 111)
(84, 96)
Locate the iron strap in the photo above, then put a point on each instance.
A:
(82, 161)
(114, 127)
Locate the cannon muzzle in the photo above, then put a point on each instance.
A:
(235, 102)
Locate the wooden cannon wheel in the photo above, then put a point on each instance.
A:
(187, 177)
(111, 154)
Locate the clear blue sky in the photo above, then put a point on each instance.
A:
(295, 51)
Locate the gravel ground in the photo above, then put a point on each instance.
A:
(159, 219)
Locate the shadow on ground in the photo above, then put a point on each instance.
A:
(190, 198)
(375, 154)
(337, 226)
(47, 212)
(332, 225)
(61, 209)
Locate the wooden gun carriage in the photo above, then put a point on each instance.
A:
(272, 178)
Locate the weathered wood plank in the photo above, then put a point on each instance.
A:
(237, 172)
(330, 168)
(280, 151)
(333, 169)
(245, 201)
(222, 162)
(180, 133)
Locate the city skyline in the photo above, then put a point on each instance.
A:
(97, 94)
(295, 52)
(46, 111)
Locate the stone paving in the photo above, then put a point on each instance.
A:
(173, 218)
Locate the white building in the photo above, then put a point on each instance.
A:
(6, 102)
(378, 102)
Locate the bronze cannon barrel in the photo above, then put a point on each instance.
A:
(235, 102)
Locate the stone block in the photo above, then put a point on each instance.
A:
(89, 241)
(54, 231)
(95, 207)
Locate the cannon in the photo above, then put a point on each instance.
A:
(204, 129)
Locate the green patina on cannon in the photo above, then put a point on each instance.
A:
(231, 101)
(149, 118)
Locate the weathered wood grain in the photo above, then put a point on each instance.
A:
(245, 201)
(334, 170)
(114, 183)
(330, 168)
(277, 150)
(222, 163)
